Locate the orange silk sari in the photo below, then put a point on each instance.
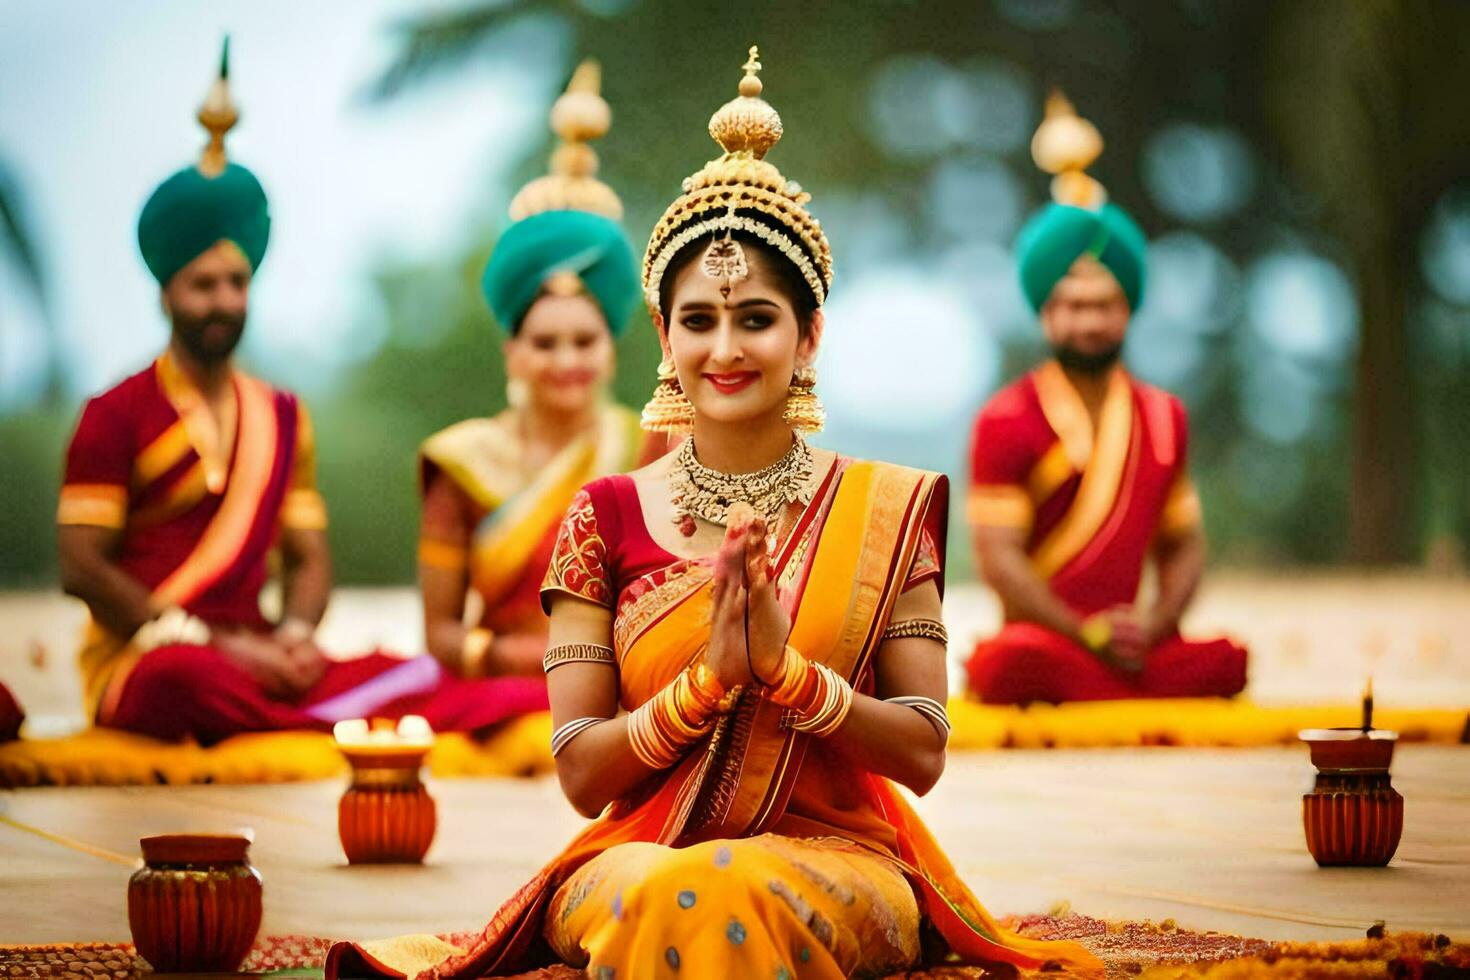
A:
(840, 568)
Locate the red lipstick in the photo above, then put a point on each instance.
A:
(735, 381)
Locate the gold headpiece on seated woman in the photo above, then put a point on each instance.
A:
(578, 116)
(740, 192)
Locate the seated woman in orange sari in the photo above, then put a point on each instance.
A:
(746, 653)
(562, 281)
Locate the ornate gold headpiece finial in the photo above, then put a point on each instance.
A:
(747, 123)
(218, 115)
(740, 192)
(579, 115)
(1065, 144)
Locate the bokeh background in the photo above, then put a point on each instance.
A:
(1302, 170)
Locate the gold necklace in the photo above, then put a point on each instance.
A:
(698, 491)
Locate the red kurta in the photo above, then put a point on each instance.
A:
(1092, 505)
(198, 506)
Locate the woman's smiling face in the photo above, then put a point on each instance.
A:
(563, 352)
(736, 345)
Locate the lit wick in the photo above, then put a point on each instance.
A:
(1368, 705)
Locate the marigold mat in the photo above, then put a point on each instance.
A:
(1199, 722)
(102, 757)
(106, 757)
(1153, 951)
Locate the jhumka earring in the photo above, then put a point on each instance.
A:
(517, 393)
(669, 410)
(804, 411)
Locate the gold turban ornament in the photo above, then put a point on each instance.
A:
(740, 192)
(578, 116)
(1065, 144)
(218, 115)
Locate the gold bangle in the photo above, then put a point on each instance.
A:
(474, 651)
(923, 629)
(293, 630)
(791, 669)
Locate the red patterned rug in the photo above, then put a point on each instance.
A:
(1147, 950)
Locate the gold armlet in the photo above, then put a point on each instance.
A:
(568, 653)
(923, 629)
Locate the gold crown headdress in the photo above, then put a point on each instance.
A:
(579, 115)
(740, 191)
(1065, 144)
(218, 115)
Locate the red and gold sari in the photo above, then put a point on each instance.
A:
(472, 475)
(829, 838)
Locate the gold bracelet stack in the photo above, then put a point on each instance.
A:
(818, 698)
(664, 726)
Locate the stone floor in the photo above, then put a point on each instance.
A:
(1211, 839)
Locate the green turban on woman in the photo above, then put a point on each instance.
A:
(588, 245)
(190, 212)
(1060, 234)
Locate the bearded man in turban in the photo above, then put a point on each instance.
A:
(1079, 474)
(180, 483)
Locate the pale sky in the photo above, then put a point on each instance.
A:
(97, 103)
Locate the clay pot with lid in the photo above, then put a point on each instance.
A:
(386, 816)
(195, 905)
(1353, 816)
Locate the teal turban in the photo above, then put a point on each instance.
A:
(190, 212)
(1060, 234)
(541, 245)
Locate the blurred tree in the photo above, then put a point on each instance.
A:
(1344, 112)
(18, 242)
(1367, 101)
(1350, 101)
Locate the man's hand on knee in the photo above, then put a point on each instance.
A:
(267, 662)
(1128, 640)
(307, 664)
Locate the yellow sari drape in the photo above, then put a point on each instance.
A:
(842, 567)
(509, 548)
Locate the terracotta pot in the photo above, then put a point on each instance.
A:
(1353, 815)
(386, 816)
(195, 904)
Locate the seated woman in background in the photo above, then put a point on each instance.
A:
(768, 615)
(562, 281)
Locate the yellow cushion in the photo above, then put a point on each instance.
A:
(108, 757)
(1176, 721)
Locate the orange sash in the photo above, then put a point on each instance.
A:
(239, 534)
